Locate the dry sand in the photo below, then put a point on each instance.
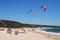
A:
(29, 35)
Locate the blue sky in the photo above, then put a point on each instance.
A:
(17, 10)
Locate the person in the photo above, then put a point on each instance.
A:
(9, 30)
(16, 32)
(33, 29)
(24, 30)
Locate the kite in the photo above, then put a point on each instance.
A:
(30, 10)
(44, 7)
(34, 14)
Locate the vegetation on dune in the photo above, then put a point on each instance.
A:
(14, 24)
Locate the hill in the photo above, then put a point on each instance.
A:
(15, 24)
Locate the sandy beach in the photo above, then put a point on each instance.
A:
(28, 35)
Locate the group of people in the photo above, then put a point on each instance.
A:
(15, 32)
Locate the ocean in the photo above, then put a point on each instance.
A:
(49, 31)
(53, 30)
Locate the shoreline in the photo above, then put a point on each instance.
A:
(49, 35)
(29, 35)
(45, 32)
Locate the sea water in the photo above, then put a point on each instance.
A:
(53, 30)
(49, 31)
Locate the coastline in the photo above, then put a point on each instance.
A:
(29, 35)
(49, 34)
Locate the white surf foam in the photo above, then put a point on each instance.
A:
(43, 31)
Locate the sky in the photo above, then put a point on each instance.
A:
(17, 10)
